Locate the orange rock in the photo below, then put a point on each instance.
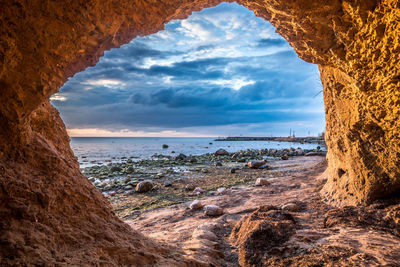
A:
(55, 215)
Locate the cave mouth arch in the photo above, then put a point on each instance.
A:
(237, 61)
(56, 216)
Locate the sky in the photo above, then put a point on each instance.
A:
(221, 72)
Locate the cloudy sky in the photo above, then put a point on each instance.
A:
(220, 72)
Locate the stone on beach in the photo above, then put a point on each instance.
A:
(196, 205)
(167, 183)
(115, 169)
(130, 170)
(221, 152)
(290, 207)
(213, 210)
(221, 190)
(285, 157)
(262, 182)
(256, 164)
(190, 187)
(199, 191)
(144, 186)
(180, 157)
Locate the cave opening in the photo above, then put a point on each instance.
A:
(220, 72)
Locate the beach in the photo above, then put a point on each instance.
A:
(116, 172)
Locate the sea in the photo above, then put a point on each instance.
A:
(92, 151)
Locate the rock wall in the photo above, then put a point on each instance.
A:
(52, 214)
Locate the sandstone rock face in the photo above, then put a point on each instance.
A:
(257, 235)
(54, 215)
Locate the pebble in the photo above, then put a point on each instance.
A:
(265, 166)
(167, 183)
(180, 157)
(199, 191)
(144, 186)
(115, 169)
(130, 170)
(291, 207)
(221, 190)
(213, 210)
(233, 170)
(218, 164)
(128, 187)
(196, 205)
(262, 182)
(190, 187)
(256, 164)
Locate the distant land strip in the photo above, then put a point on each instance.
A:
(319, 140)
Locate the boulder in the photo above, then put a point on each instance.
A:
(199, 191)
(284, 157)
(190, 187)
(196, 205)
(213, 210)
(180, 157)
(115, 169)
(256, 164)
(221, 152)
(144, 186)
(221, 190)
(290, 207)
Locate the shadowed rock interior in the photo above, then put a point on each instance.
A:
(51, 212)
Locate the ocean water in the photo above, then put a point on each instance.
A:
(99, 150)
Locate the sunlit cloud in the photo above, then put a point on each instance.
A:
(236, 84)
(58, 97)
(110, 83)
(98, 132)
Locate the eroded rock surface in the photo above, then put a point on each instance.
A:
(251, 233)
(54, 215)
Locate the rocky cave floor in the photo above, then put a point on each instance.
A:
(259, 228)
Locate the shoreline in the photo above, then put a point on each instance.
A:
(174, 178)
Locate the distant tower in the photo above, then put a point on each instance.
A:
(294, 134)
(290, 133)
